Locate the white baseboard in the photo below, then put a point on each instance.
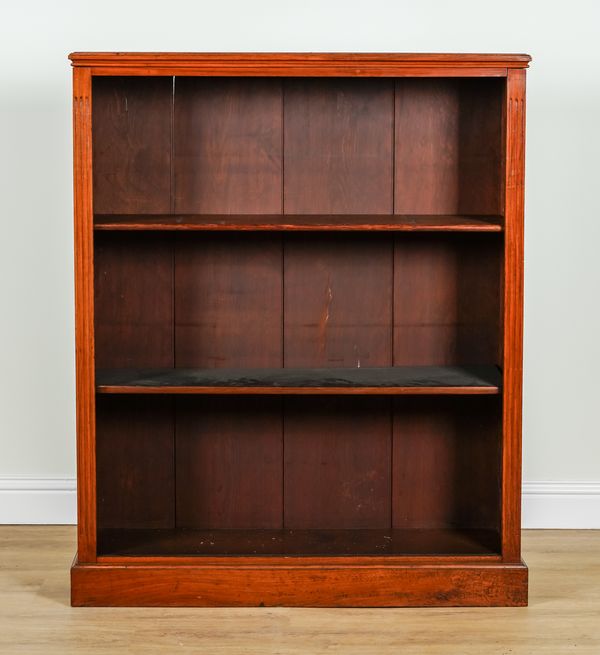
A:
(38, 500)
(561, 504)
(546, 505)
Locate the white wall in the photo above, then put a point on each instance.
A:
(562, 340)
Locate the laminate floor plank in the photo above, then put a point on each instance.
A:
(562, 617)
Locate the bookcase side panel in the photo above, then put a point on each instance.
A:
(84, 316)
(513, 315)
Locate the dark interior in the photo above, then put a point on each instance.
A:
(343, 475)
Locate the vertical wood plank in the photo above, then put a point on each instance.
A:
(132, 144)
(338, 146)
(337, 463)
(228, 301)
(133, 300)
(480, 146)
(228, 292)
(513, 315)
(448, 150)
(446, 299)
(446, 463)
(426, 152)
(338, 300)
(229, 463)
(135, 462)
(84, 316)
(228, 145)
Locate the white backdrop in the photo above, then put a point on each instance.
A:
(562, 326)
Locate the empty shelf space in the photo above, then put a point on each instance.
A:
(188, 542)
(299, 223)
(385, 380)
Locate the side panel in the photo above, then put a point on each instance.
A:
(84, 315)
(513, 316)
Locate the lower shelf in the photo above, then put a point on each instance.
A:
(184, 542)
(377, 380)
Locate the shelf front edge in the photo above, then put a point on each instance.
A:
(301, 391)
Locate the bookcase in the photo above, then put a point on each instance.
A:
(298, 329)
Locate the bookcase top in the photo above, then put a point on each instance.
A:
(298, 64)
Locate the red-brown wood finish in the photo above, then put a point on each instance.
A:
(132, 145)
(229, 472)
(378, 219)
(513, 315)
(84, 316)
(217, 280)
(238, 546)
(438, 443)
(298, 223)
(299, 64)
(339, 449)
(338, 301)
(452, 127)
(135, 448)
(324, 121)
(133, 301)
(461, 278)
(227, 145)
(321, 585)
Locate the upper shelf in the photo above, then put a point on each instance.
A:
(396, 380)
(299, 223)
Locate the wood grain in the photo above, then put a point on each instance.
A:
(84, 315)
(132, 121)
(337, 301)
(423, 149)
(239, 546)
(447, 462)
(448, 146)
(228, 146)
(229, 463)
(135, 462)
(481, 150)
(228, 301)
(561, 618)
(338, 140)
(134, 300)
(300, 64)
(446, 299)
(513, 315)
(337, 463)
(331, 586)
(297, 223)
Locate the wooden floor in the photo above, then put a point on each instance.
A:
(35, 616)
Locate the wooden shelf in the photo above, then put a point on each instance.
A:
(185, 542)
(298, 223)
(386, 380)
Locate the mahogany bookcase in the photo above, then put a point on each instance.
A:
(299, 329)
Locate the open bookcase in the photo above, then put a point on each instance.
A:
(299, 322)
